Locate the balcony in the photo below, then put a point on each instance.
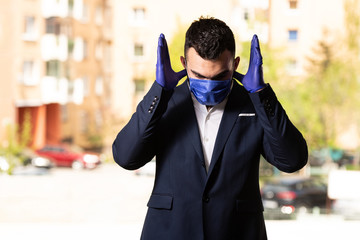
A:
(54, 47)
(54, 90)
(55, 8)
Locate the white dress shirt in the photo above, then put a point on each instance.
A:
(209, 123)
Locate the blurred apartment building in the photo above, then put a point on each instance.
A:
(56, 69)
(137, 26)
(81, 66)
(297, 26)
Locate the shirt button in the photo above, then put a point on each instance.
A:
(206, 199)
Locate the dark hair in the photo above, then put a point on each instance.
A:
(209, 37)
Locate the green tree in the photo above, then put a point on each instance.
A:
(18, 139)
(176, 49)
(329, 91)
(329, 96)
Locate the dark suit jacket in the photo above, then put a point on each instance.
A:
(224, 203)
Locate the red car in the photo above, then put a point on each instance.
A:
(62, 156)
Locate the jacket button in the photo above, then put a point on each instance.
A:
(206, 199)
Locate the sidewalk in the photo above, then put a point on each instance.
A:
(62, 231)
(309, 227)
(110, 203)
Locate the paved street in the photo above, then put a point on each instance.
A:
(110, 203)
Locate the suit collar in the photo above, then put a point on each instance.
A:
(182, 98)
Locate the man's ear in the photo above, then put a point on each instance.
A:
(236, 63)
(183, 61)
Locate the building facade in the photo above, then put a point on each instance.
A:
(56, 69)
(297, 26)
(76, 69)
(137, 26)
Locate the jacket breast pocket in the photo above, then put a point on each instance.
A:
(246, 119)
(160, 202)
(249, 206)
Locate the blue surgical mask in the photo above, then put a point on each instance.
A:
(210, 92)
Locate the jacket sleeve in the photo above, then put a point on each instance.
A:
(283, 144)
(134, 145)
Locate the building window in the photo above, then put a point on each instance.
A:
(28, 73)
(70, 46)
(99, 86)
(246, 14)
(52, 26)
(64, 113)
(139, 15)
(85, 49)
(80, 49)
(292, 67)
(99, 50)
(76, 90)
(84, 118)
(293, 35)
(53, 68)
(99, 15)
(107, 18)
(85, 13)
(107, 58)
(29, 28)
(71, 7)
(293, 4)
(138, 50)
(139, 86)
(86, 85)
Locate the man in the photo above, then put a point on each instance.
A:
(207, 135)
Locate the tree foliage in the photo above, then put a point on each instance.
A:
(326, 100)
(329, 94)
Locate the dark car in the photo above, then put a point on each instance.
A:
(283, 197)
(64, 157)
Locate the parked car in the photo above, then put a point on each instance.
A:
(64, 157)
(283, 197)
(25, 162)
(33, 159)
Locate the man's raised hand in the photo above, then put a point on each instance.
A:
(165, 76)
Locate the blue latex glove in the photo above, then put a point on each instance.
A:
(253, 79)
(165, 76)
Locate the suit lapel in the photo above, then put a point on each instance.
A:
(182, 99)
(231, 113)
